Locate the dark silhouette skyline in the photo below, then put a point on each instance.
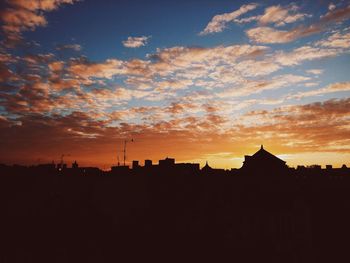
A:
(262, 162)
(175, 211)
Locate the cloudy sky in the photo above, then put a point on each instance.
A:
(196, 80)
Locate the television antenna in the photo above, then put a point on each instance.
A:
(124, 151)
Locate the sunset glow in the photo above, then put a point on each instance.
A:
(194, 80)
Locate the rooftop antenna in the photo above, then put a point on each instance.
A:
(125, 142)
(62, 157)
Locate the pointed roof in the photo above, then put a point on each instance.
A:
(206, 167)
(262, 153)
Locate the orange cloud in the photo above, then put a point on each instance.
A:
(23, 15)
(45, 5)
(91, 140)
(85, 69)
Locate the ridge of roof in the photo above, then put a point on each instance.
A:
(263, 152)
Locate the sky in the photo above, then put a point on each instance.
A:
(195, 80)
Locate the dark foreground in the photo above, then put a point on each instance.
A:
(174, 219)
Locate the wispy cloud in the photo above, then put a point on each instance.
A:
(304, 53)
(136, 42)
(334, 87)
(269, 35)
(219, 22)
(75, 47)
(336, 40)
(253, 87)
(315, 71)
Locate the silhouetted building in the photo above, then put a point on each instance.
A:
(263, 162)
(75, 165)
(120, 170)
(187, 168)
(167, 162)
(88, 171)
(48, 166)
(301, 167)
(207, 168)
(148, 163)
(169, 167)
(61, 166)
(135, 165)
(315, 167)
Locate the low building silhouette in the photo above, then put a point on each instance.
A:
(120, 170)
(208, 170)
(135, 165)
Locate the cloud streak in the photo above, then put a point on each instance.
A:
(334, 87)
